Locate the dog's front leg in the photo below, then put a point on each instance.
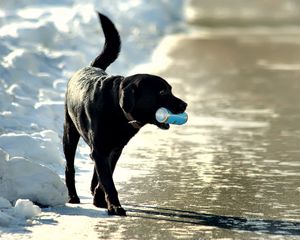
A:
(97, 191)
(106, 184)
(100, 201)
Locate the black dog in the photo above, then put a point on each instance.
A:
(107, 111)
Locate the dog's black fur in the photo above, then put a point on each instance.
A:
(107, 111)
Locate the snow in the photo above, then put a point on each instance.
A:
(23, 209)
(4, 203)
(6, 219)
(40, 147)
(23, 178)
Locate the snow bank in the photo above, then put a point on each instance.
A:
(29, 163)
(22, 178)
(41, 147)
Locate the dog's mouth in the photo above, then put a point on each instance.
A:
(164, 126)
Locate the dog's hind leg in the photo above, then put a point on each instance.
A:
(94, 182)
(70, 141)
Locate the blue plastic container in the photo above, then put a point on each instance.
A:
(164, 115)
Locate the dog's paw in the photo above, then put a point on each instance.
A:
(99, 199)
(74, 199)
(100, 203)
(113, 210)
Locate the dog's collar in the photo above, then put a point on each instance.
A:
(134, 123)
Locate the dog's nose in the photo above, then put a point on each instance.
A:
(183, 106)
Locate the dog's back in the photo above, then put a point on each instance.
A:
(88, 79)
(112, 44)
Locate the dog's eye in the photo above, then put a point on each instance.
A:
(163, 92)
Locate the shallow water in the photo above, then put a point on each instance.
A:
(233, 170)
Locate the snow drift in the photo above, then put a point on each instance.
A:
(22, 178)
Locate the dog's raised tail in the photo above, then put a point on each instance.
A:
(112, 45)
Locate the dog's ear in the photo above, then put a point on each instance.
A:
(127, 99)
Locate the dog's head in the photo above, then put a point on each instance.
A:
(142, 94)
